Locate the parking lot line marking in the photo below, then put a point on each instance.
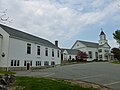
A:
(49, 75)
(111, 83)
(91, 76)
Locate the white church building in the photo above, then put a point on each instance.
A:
(95, 51)
(99, 51)
(20, 50)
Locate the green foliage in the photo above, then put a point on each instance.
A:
(116, 62)
(116, 52)
(4, 72)
(116, 36)
(31, 83)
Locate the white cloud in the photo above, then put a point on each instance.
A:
(97, 3)
(53, 20)
(113, 43)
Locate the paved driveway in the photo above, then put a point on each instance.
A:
(103, 73)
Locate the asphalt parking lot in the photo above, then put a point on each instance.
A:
(103, 73)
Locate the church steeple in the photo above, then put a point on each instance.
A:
(102, 38)
(102, 33)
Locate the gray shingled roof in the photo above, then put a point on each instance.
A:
(70, 51)
(25, 36)
(89, 44)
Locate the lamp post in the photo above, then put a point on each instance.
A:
(3, 54)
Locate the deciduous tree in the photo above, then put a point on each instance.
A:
(82, 56)
(116, 36)
(116, 52)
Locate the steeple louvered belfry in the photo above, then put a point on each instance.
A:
(103, 39)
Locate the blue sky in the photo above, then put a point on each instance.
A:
(64, 20)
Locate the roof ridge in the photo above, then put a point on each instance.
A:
(87, 41)
(15, 29)
(15, 33)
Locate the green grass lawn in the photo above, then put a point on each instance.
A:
(31, 83)
(116, 62)
(4, 72)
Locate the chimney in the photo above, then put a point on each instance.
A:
(56, 43)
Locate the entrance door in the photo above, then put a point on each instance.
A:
(62, 57)
(28, 66)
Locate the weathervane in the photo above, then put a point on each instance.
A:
(101, 29)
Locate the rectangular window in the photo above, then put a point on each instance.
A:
(69, 57)
(52, 52)
(38, 63)
(15, 62)
(52, 62)
(96, 55)
(90, 54)
(46, 51)
(11, 62)
(107, 51)
(24, 63)
(100, 50)
(58, 54)
(38, 50)
(100, 56)
(30, 63)
(28, 48)
(46, 63)
(18, 62)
